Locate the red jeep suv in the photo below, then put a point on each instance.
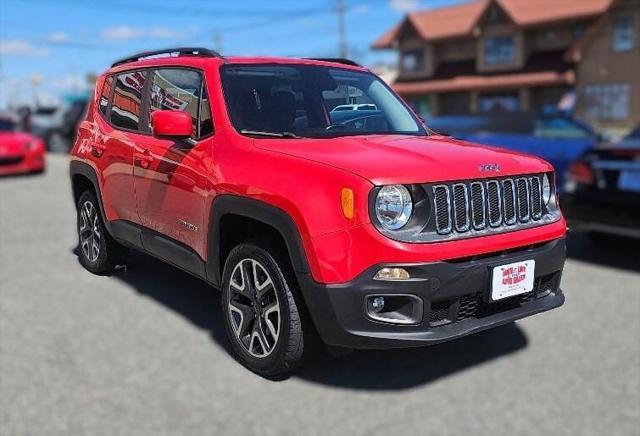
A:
(360, 227)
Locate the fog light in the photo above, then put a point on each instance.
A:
(377, 304)
(392, 274)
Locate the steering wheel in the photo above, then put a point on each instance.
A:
(336, 127)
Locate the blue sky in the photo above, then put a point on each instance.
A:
(48, 46)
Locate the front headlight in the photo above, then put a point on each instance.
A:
(393, 207)
(547, 190)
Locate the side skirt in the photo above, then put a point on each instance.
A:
(160, 246)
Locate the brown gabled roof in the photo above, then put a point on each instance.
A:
(486, 83)
(459, 20)
(438, 23)
(528, 13)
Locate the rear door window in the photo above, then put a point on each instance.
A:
(127, 100)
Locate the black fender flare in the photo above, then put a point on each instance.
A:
(76, 168)
(275, 217)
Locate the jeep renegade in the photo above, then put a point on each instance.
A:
(361, 228)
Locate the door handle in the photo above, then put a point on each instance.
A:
(144, 159)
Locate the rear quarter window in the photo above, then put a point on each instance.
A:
(105, 95)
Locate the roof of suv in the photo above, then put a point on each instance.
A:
(195, 55)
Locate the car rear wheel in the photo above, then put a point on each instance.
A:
(262, 318)
(97, 250)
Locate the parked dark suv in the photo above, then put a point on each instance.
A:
(602, 189)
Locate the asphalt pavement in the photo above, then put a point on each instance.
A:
(143, 352)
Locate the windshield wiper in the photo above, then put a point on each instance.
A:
(272, 134)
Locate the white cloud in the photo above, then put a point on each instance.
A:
(128, 33)
(57, 37)
(361, 9)
(404, 5)
(122, 33)
(20, 47)
(164, 33)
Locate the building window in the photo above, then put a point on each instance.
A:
(607, 102)
(499, 50)
(413, 61)
(499, 102)
(623, 34)
(578, 31)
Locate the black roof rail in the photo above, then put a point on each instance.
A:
(181, 51)
(337, 61)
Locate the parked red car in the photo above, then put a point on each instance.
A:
(369, 233)
(20, 152)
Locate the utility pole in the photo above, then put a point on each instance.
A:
(341, 9)
(217, 42)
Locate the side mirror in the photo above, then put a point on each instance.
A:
(604, 137)
(171, 124)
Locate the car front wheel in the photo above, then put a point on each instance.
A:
(262, 319)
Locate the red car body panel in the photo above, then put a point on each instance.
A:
(386, 159)
(21, 153)
(304, 178)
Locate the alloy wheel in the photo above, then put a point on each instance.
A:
(89, 232)
(254, 309)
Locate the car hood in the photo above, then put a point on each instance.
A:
(13, 143)
(385, 159)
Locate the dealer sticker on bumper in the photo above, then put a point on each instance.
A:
(512, 279)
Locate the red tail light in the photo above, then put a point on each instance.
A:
(581, 172)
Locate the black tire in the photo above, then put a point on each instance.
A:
(107, 253)
(292, 344)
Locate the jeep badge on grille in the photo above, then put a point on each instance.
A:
(490, 167)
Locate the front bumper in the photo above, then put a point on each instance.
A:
(453, 296)
(28, 163)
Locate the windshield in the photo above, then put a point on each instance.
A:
(634, 134)
(7, 125)
(299, 100)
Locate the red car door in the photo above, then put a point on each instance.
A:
(114, 142)
(171, 177)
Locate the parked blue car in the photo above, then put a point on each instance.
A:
(557, 138)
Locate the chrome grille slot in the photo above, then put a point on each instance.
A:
(509, 199)
(536, 198)
(494, 204)
(523, 200)
(461, 207)
(442, 204)
(478, 215)
(487, 206)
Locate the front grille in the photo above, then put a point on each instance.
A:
(484, 204)
(461, 207)
(439, 311)
(536, 198)
(474, 305)
(509, 200)
(523, 200)
(10, 160)
(478, 214)
(443, 204)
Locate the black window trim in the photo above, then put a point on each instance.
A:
(144, 113)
